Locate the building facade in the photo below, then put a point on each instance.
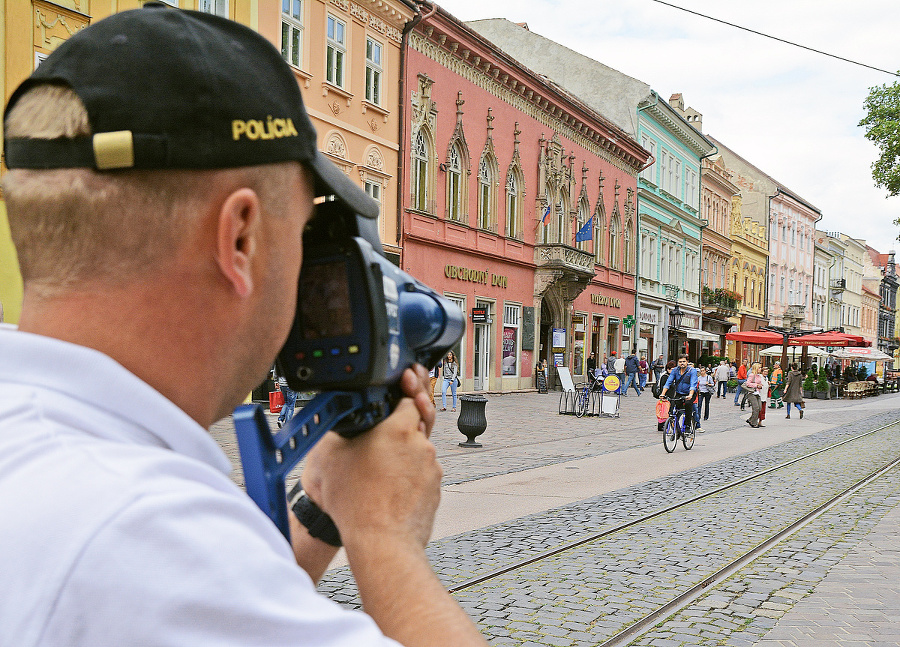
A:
(792, 225)
(746, 273)
(720, 303)
(670, 226)
(834, 253)
(883, 268)
(853, 273)
(504, 170)
(868, 320)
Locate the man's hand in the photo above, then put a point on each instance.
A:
(385, 481)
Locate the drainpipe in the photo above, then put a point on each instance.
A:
(401, 115)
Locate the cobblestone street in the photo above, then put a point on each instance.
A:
(583, 596)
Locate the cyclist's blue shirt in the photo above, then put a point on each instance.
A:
(687, 384)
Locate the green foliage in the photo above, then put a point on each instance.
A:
(850, 374)
(810, 382)
(711, 360)
(882, 124)
(861, 373)
(822, 384)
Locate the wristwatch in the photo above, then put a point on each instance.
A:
(317, 523)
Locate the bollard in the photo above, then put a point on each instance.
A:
(472, 420)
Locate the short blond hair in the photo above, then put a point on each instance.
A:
(72, 225)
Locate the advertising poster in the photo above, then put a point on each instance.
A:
(510, 352)
(559, 338)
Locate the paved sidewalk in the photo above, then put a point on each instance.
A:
(858, 602)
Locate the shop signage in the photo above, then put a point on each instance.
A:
(479, 315)
(690, 321)
(475, 276)
(509, 351)
(649, 317)
(606, 300)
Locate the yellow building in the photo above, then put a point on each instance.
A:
(747, 277)
(345, 54)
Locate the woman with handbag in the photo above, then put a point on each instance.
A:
(793, 391)
(451, 379)
(756, 387)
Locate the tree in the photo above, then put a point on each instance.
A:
(882, 124)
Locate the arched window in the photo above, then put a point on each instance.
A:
(598, 237)
(420, 171)
(629, 247)
(582, 220)
(614, 233)
(546, 217)
(559, 227)
(486, 180)
(454, 184)
(513, 204)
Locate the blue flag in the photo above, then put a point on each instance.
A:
(546, 214)
(586, 232)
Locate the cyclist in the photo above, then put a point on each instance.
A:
(684, 381)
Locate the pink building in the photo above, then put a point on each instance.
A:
(792, 223)
(502, 169)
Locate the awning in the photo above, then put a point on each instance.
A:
(793, 351)
(756, 337)
(702, 335)
(829, 339)
(862, 354)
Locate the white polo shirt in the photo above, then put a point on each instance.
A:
(121, 526)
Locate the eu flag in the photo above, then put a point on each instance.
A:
(586, 232)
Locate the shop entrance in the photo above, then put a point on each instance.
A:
(596, 327)
(612, 337)
(482, 359)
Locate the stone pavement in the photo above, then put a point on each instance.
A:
(504, 499)
(858, 602)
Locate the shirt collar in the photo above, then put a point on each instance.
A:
(97, 381)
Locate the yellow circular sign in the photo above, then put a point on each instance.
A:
(611, 383)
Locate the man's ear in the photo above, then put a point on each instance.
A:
(237, 238)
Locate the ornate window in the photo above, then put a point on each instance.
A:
(629, 247)
(513, 204)
(614, 233)
(421, 172)
(487, 173)
(581, 219)
(373, 71)
(454, 184)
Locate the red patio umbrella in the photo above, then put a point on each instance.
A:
(756, 337)
(829, 339)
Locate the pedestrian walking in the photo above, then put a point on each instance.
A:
(756, 387)
(611, 363)
(643, 371)
(741, 377)
(619, 367)
(434, 375)
(592, 365)
(632, 374)
(793, 391)
(290, 399)
(658, 367)
(777, 382)
(706, 384)
(722, 374)
(451, 379)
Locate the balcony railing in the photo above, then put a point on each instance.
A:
(721, 298)
(564, 257)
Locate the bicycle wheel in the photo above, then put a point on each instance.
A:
(582, 402)
(687, 438)
(670, 438)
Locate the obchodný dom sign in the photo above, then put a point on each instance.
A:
(475, 276)
(604, 300)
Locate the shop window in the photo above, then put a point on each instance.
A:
(510, 355)
(218, 7)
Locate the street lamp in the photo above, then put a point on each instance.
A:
(675, 317)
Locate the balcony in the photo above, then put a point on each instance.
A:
(566, 258)
(838, 285)
(720, 303)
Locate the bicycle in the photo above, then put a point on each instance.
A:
(677, 425)
(583, 396)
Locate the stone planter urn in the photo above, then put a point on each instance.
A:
(472, 420)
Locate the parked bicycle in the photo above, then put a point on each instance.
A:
(677, 425)
(583, 396)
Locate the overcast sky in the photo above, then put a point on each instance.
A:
(791, 112)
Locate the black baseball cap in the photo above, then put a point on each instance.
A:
(173, 89)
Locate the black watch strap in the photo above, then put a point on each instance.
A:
(312, 517)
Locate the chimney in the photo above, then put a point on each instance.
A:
(690, 115)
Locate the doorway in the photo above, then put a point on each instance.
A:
(482, 359)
